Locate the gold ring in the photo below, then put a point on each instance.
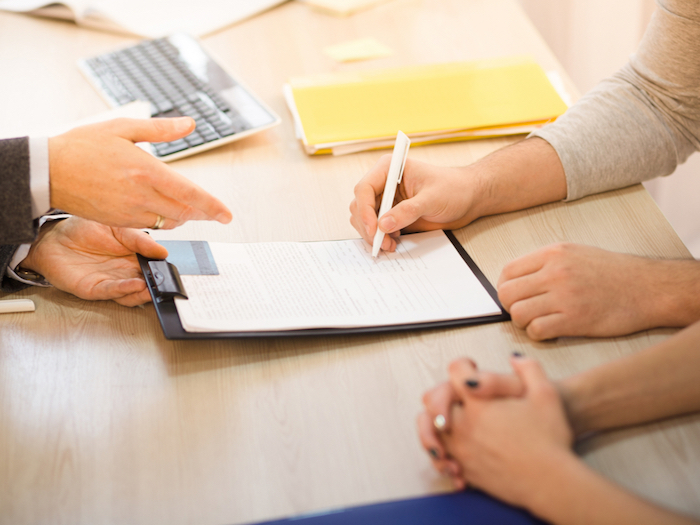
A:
(159, 223)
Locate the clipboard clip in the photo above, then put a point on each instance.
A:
(166, 280)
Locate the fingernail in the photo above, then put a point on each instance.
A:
(434, 453)
(183, 123)
(387, 224)
(472, 383)
(223, 218)
(517, 354)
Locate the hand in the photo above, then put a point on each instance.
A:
(505, 446)
(439, 401)
(94, 261)
(97, 172)
(575, 290)
(428, 198)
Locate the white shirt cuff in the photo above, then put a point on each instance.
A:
(23, 250)
(39, 175)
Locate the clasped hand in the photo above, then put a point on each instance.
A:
(499, 430)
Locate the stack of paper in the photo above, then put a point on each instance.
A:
(146, 18)
(345, 113)
(342, 7)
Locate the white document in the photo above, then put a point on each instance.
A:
(333, 284)
(146, 18)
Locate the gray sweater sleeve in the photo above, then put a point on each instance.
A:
(645, 120)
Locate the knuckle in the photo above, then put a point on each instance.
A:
(505, 294)
(518, 313)
(454, 367)
(537, 332)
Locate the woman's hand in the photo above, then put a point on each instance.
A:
(506, 446)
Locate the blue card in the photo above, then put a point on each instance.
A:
(191, 257)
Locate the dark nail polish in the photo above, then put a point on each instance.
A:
(434, 453)
(517, 354)
(472, 383)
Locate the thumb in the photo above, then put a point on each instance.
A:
(402, 215)
(530, 372)
(155, 129)
(137, 241)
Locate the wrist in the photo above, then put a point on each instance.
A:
(672, 292)
(572, 393)
(56, 146)
(32, 261)
(555, 494)
(481, 191)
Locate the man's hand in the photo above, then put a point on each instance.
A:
(575, 290)
(97, 172)
(428, 198)
(94, 261)
(518, 176)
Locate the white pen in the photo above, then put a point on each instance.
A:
(393, 178)
(8, 306)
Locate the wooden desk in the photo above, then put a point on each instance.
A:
(102, 420)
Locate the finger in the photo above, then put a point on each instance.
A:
(460, 371)
(368, 190)
(135, 299)
(437, 402)
(430, 442)
(531, 374)
(525, 311)
(154, 129)
(436, 451)
(487, 385)
(137, 241)
(357, 223)
(550, 327)
(520, 288)
(191, 200)
(403, 214)
(389, 244)
(524, 265)
(110, 289)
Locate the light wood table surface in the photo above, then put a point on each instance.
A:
(102, 420)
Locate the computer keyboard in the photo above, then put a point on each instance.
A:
(179, 78)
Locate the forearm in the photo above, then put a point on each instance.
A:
(659, 382)
(569, 493)
(523, 175)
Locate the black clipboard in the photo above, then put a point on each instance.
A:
(163, 283)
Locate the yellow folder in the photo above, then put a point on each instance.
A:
(432, 103)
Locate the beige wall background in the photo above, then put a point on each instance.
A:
(592, 39)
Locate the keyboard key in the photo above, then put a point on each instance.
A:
(156, 71)
(168, 148)
(195, 139)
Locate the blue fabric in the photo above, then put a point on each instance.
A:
(460, 508)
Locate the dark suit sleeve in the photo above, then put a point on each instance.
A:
(16, 222)
(7, 284)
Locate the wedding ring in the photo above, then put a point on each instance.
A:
(159, 223)
(439, 422)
